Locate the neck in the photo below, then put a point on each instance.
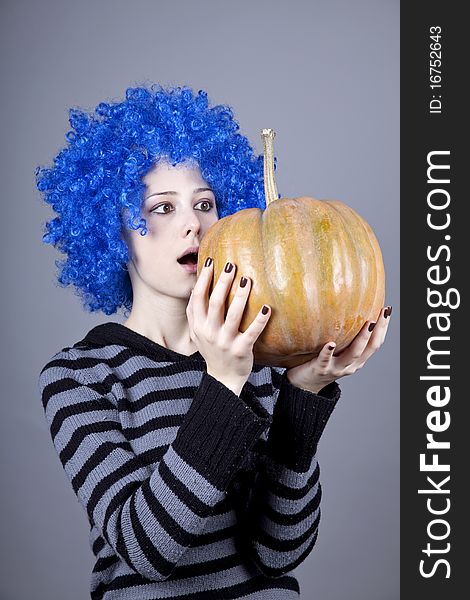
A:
(163, 320)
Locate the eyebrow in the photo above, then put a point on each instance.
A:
(195, 191)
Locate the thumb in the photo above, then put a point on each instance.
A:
(326, 354)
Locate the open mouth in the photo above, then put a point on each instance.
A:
(188, 259)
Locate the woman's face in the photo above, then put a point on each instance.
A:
(179, 207)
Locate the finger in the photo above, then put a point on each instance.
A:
(237, 306)
(200, 294)
(355, 350)
(216, 306)
(377, 337)
(254, 330)
(381, 325)
(385, 316)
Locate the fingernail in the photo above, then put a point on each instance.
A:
(265, 309)
(331, 346)
(371, 326)
(208, 261)
(228, 267)
(388, 312)
(243, 281)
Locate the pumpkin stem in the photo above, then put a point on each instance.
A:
(270, 188)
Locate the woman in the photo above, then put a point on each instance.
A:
(197, 468)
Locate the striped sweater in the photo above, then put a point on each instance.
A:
(191, 491)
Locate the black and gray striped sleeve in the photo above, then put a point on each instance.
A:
(284, 509)
(148, 517)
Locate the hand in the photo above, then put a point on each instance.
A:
(325, 368)
(227, 352)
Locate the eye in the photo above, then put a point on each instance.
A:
(209, 204)
(161, 212)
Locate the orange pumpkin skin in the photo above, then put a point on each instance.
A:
(316, 263)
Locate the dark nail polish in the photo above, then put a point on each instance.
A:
(388, 312)
(243, 281)
(228, 267)
(265, 309)
(208, 261)
(371, 326)
(330, 347)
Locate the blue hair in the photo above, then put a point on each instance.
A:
(97, 179)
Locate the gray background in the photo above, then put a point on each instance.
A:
(325, 76)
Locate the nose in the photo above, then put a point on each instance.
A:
(191, 224)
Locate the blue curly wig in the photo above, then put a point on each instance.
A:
(97, 178)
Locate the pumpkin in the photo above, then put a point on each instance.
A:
(317, 264)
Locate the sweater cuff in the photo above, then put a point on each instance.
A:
(299, 419)
(217, 432)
